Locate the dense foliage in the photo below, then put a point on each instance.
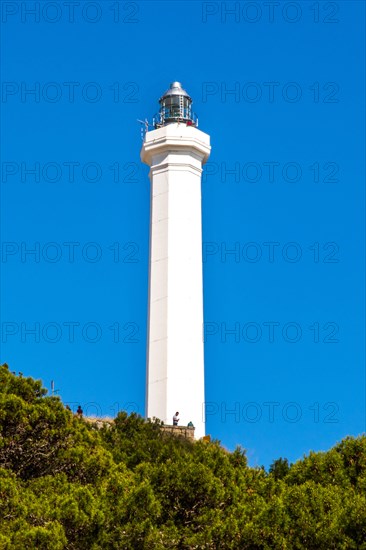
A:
(66, 484)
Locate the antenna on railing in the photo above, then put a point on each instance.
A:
(144, 127)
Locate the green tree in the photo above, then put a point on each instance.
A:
(279, 468)
(64, 484)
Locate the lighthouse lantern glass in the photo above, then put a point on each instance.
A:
(176, 106)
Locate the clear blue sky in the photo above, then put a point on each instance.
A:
(293, 210)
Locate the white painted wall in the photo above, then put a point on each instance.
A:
(175, 357)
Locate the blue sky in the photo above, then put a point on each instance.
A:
(280, 89)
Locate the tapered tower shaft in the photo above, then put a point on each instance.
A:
(175, 151)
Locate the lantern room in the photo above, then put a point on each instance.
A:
(176, 106)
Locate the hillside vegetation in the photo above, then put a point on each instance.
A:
(66, 485)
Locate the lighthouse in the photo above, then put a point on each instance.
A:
(175, 150)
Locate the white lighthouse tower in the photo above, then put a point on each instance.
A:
(175, 150)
